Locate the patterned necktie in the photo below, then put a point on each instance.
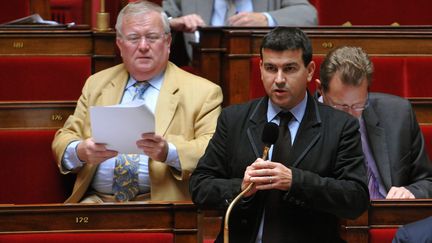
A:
(125, 182)
(140, 88)
(273, 222)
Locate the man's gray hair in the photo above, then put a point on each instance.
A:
(138, 8)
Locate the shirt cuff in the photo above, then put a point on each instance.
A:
(70, 158)
(172, 157)
(270, 20)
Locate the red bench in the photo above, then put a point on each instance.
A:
(401, 76)
(29, 78)
(29, 173)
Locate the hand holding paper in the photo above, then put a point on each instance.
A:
(120, 126)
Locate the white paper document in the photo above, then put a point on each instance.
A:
(120, 126)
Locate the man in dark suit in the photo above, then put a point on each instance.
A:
(322, 178)
(187, 15)
(417, 232)
(395, 154)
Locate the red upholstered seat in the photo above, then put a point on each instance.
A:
(366, 12)
(384, 235)
(28, 172)
(401, 76)
(129, 237)
(43, 77)
(67, 11)
(427, 134)
(12, 10)
(419, 76)
(388, 76)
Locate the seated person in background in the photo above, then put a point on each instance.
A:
(395, 155)
(316, 174)
(187, 15)
(416, 232)
(185, 119)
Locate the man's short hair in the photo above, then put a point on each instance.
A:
(288, 38)
(352, 65)
(141, 7)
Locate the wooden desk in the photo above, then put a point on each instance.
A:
(381, 214)
(178, 218)
(223, 53)
(385, 214)
(35, 115)
(79, 41)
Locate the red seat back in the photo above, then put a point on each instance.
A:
(384, 235)
(43, 77)
(29, 173)
(427, 134)
(105, 237)
(366, 12)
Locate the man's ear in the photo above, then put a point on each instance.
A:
(318, 86)
(311, 69)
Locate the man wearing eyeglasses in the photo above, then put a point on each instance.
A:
(185, 106)
(397, 164)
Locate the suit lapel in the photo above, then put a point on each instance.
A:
(113, 92)
(167, 101)
(308, 133)
(378, 145)
(260, 5)
(258, 119)
(205, 8)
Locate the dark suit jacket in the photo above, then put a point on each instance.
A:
(417, 232)
(329, 178)
(397, 144)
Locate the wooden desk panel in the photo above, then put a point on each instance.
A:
(69, 42)
(46, 42)
(178, 218)
(35, 115)
(385, 214)
(223, 53)
(381, 214)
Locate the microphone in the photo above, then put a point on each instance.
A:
(269, 136)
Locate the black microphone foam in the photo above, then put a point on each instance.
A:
(270, 133)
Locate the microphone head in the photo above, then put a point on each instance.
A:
(270, 133)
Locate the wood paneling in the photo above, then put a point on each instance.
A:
(178, 218)
(223, 54)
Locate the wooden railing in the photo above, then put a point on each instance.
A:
(223, 54)
(178, 218)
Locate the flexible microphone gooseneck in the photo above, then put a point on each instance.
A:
(269, 136)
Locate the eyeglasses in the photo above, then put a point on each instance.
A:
(346, 108)
(149, 38)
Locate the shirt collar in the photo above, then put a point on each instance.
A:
(155, 82)
(298, 111)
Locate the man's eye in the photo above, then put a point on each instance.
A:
(152, 37)
(289, 69)
(270, 69)
(133, 38)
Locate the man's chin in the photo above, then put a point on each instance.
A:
(282, 102)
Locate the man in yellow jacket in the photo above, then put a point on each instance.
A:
(185, 107)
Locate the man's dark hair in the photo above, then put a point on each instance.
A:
(288, 38)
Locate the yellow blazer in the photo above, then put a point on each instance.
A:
(186, 114)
